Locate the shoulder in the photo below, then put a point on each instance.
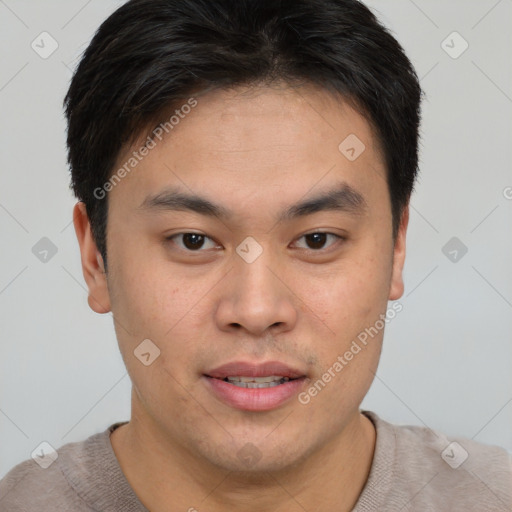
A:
(434, 472)
(28, 487)
(41, 483)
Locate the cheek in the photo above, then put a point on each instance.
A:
(349, 302)
(347, 299)
(148, 297)
(151, 302)
(156, 308)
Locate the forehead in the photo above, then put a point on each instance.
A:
(258, 120)
(237, 142)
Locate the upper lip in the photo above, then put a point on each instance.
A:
(248, 369)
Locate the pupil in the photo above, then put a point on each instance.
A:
(318, 240)
(195, 239)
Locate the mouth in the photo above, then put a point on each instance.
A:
(254, 386)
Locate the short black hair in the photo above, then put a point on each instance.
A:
(150, 55)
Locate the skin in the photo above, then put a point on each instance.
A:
(254, 151)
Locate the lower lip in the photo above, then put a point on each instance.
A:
(254, 399)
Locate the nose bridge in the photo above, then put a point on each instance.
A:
(256, 299)
(255, 283)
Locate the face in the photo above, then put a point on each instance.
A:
(244, 281)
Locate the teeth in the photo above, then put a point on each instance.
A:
(257, 382)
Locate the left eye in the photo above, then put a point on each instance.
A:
(317, 239)
(196, 241)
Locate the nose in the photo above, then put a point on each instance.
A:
(257, 298)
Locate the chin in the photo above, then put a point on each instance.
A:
(257, 470)
(249, 460)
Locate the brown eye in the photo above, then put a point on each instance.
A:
(316, 241)
(191, 242)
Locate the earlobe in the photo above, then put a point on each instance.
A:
(397, 283)
(93, 267)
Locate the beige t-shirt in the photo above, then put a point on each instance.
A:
(413, 469)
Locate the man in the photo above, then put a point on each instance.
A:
(244, 170)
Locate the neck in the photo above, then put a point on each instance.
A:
(160, 473)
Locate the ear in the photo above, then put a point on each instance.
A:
(397, 283)
(93, 267)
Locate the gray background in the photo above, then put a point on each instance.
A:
(447, 356)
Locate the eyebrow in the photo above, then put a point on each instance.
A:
(342, 198)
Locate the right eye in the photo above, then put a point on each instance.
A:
(190, 242)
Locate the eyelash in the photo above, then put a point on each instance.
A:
(339, 238)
